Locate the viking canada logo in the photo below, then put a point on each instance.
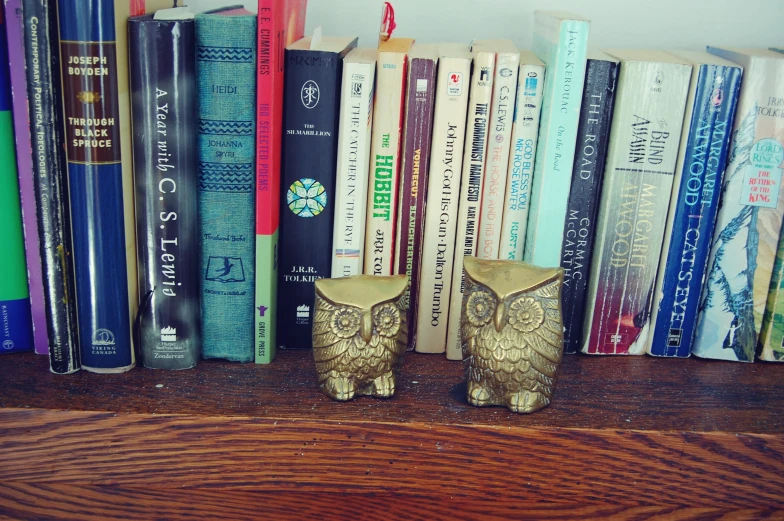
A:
(310, 94)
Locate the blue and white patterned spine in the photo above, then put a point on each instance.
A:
(225, 62)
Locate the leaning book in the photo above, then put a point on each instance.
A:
(163, 108)
(44, 99)
(747, 229)
(560, 41)
(16, 327)
(643, 149)
(705, 140)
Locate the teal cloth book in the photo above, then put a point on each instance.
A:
(226, 72)
(560, 41)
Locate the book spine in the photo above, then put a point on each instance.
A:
(279, 22)
(470, 200)
(438, 245)
(693, 207)
(24, 163)
(226, 79)
(95, 182)
(16, 330)
(771, 342)
(385, 164)
(310, 123)
(565, 58)
(420, 103)
(520, 170)
(51, 193)
(356, 120)
(748, 223)
(163, 108)
(497, 155)
(593, 136)
(636, 192)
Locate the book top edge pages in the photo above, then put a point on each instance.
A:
(751, 53)
(361, 55)
(593, 54)
(334, 44)
(424, 50)
(646, 55)
(234, 10)
(174, 13)
(497, 46)
(529, 58)
(458, 50)
(559, 16)
(397, 45)
(703, 58)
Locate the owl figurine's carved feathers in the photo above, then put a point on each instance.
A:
(511, 332)
(359, 334)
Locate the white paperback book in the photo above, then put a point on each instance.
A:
(507, 62)
(385, 156)
(446, 160)
(522, 154)
(356, 119)
(470, 200)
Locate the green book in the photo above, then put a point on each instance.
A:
(16, 327)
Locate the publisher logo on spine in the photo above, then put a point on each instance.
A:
(225, 269)
(310, 94)
(356, 85)
(454, 86)
(674, 337)
(168, 334)
(303, 314)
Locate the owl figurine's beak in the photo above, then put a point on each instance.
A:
(498, 317)
(366, 328)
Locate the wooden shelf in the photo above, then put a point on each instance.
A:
(627, 436)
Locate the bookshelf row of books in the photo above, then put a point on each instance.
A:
(185, 203)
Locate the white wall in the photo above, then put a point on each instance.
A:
(662, 24)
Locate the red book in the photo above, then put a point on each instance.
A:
(280, 23)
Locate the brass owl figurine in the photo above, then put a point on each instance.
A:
(512, 333)
(359, 335)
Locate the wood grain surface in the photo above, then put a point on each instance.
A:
(625, 438)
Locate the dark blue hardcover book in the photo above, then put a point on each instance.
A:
(164, 108)
(702, 158)
(226, 77)
(308, 177)
(41, 39)
(92, 147)
(593, 137)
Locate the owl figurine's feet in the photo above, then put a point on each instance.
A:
(478, 395)
(526, 401)
(339, 388)
(383, 386)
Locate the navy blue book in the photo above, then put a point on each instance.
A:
(702, 158)
(92, 148)
(164, 110)
(308, 175)
(226, 78)
(593, 137)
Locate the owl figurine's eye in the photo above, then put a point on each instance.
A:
(526, 314)
(345, 322)
(480, 308)
(386, 318)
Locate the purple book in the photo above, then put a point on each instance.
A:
(24, 163)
